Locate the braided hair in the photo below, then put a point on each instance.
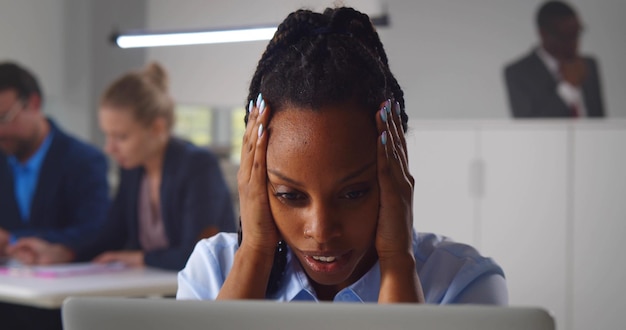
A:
(315, 60)
(323, 59)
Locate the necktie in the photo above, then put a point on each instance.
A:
(575, 110)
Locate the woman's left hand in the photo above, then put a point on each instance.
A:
(394, 234)
(395, 217)
(129, 258)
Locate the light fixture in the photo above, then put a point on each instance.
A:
(135, 39)
(156, 39)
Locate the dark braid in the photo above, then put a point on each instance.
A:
(316, 60)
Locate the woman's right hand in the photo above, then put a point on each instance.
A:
(257, 225)
(252, 266)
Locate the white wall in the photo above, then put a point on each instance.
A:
(604, 37)
(219, 75)
(32, 32)
(65, 44)
(447, 54)
(36, 39)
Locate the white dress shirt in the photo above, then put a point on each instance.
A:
(571, 95)
(449, 273)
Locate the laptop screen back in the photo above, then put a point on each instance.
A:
(159, 314)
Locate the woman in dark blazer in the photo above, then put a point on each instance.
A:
(171, 193)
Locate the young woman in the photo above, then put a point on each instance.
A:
(326, 195)
(171, 193)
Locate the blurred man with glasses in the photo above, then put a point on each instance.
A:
(554, 80)
(53, 187)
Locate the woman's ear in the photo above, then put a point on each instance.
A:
(160, 127)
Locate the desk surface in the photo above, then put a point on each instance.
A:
(50, 292)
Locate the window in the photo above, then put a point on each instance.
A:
(194, 123)
(221, 130)
(238, 128)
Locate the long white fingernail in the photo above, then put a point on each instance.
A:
(260, 129)
(383, 138)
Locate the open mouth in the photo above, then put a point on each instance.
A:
(324, 259)
(327, 263)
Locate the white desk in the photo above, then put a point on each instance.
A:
(50, 292)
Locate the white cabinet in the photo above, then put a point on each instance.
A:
(524, 211)
(442, 202)
(599, 228)
(545, 199)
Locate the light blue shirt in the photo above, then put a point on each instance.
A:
(449, 273)
(25, 177)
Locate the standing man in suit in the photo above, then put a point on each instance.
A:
(53, 187)
(554, 80)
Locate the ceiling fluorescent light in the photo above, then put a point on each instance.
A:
(134, 40)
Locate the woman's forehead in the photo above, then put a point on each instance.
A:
(333, 121)
(328, 135)
(330, 112)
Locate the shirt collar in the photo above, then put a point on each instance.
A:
(298, 286)
(36, 160)
(549, 61)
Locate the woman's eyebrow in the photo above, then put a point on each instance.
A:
(358, 172)
(345, 179)
(284, 177)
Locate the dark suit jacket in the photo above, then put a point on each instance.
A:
(71, 198)
(194, 196)
(532, 90)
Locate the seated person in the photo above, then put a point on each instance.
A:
(54, 192)
(171, 193)
(325, 193)
(53, 187)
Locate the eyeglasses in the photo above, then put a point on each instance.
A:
(8, 116)
(570, 35)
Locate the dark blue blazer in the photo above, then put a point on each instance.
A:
(71, 198)
(532, 90)
(194, 196)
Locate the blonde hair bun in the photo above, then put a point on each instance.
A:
(144, 92)
(157, 74)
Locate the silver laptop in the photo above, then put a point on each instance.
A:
(90, 313)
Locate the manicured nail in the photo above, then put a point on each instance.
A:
(262, 107)
(261, 130)
(388, 106)
(250, 106)
(383, 138)
(383, 115)
(397, 107)
(259, 99)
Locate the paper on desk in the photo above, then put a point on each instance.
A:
(62, 270)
